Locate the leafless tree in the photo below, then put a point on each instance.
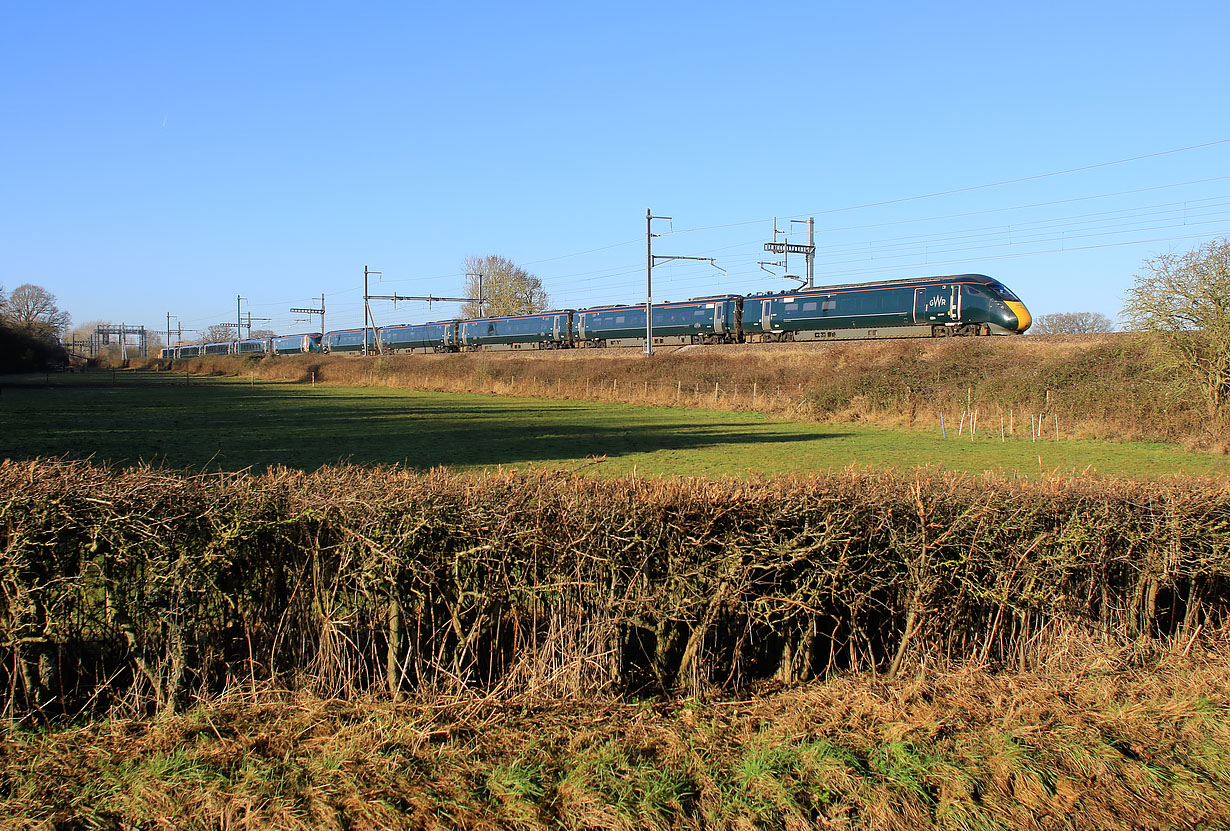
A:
(506, 288)
(1183, 301)
(218, 333)
(33, 309)
(1072, 323)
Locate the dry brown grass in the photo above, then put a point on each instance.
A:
(1118, 740)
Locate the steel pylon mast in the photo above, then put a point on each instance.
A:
(652, 259)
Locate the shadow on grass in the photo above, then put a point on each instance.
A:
(213, 424)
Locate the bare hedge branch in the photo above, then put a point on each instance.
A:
(142, 589)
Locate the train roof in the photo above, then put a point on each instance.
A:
(661, 304)
(981, 279)
(516, 317)
(428, 323)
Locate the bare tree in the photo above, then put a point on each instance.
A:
(87, 330)
(506, 288)
(1072, 323)
(218, 333)
(33, 309)
(1183, 301)
(258, 334)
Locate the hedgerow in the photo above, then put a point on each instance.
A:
(140, 589)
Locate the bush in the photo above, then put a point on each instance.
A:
(23, 352)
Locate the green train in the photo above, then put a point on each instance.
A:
(955, 305)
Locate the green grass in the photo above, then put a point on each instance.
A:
(231, 424)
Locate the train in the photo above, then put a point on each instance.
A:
(953, 305)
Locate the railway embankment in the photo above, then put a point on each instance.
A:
(1104, 387)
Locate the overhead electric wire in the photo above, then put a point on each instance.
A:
(969, 189)
(1030, 232)
(1112, 194)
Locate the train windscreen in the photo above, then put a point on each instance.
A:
(1004, 293)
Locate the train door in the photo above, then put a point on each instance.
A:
(766, 315)
(719, 318)
(937, 304)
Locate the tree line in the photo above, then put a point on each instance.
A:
(31, 327)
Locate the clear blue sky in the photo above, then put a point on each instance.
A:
(166, 157)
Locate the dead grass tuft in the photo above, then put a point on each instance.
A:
(1119, 746)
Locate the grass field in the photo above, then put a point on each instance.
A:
(228, 423)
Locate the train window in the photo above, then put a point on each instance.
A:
(619, 319)
(974, 290)
(792, 307)
(809, 307)
(829, 306)
(1004, 292)
(700, 313)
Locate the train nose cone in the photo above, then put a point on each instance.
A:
(1023, 319)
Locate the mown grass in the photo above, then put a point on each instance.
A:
(1106, 386)
(234, 423)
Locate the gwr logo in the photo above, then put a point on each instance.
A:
(937, 302)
